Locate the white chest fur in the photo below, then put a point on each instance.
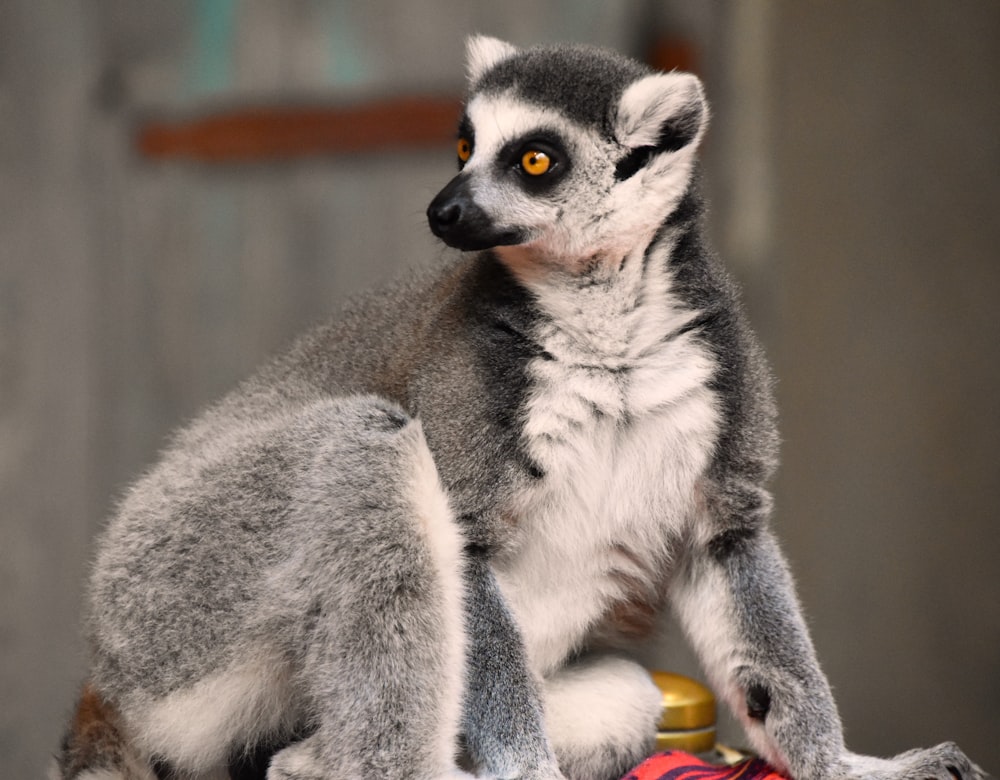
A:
(622, 422)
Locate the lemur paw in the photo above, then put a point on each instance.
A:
(942, 762)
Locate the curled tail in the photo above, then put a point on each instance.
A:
(94, 747)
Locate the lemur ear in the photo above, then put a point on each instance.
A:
(662, 112)
(483, 52)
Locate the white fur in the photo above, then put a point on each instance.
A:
(197, 726)
(705, 611)
(649, 102)
(498, 120)
(433, 513)
(644, 200)
(618, 486)
(607, 700)
(483, 52)
(295, 762)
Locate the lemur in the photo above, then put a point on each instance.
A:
(424, 542)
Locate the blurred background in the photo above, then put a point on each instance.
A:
(854, 168)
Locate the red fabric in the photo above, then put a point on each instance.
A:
(675, 765)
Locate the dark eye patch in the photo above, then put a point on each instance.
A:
(509, 159)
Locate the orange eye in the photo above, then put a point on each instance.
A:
(464, 149)
(535, 163)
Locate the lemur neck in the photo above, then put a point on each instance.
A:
(618, 306)
(538, 264)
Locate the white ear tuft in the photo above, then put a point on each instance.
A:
(662, 110)
(483, 52)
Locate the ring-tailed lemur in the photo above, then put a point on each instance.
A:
(438, 524)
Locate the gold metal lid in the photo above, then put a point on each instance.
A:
(687, 704)
(693, 741)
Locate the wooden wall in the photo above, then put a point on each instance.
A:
(886, 342)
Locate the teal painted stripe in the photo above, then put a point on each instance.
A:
(347, 64)
(214, 34)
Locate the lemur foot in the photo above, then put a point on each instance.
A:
(544, 770)
(942, 762)
(295, 762)
(299, 762)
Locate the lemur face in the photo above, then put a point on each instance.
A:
(567, 155)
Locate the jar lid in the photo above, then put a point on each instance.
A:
(692, 741)
(687, 704)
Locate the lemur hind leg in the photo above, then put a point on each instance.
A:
(378, 585)
(602, 713)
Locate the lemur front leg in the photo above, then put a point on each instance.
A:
(736, 601)
(503, 720)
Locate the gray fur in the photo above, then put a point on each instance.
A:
(288, 537)
(594, 402)
(500, 684)
(582, 82)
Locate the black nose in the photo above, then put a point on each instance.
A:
(452, 210)
(456, 218)
(443, 216)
